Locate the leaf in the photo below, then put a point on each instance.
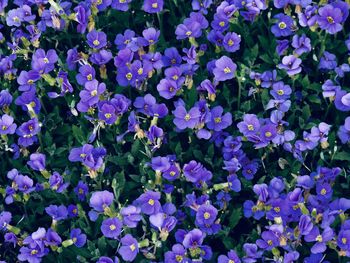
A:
(342, 156)
(235, 216)
(78, 134)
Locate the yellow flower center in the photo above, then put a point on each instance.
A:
(155, 5)
(93, 93)
(172, 173)
(323, 191)
(34, 252)
(33, 104)
(269, 242)
(330, 19)
(178, 258)
(206, 215)
(30, 127)
(344, 240)
(187, 117)
(108, 115)
(175, 77)
(132, 247)
(112, 227)
(230, 42)
(277, 209)
(217, 120)
(227, 70)
(171, 89)
(96, 42)
(250, 127)
(222, 23)
(280, 92)
(30, 81)
(268, 134)
(82, 155)
(4, 127)
(46, 60)
(128, 76)
(151, 202)
(231, 261)
(188, 33)
(140, 71)
(122, 1)
(74, 239)
(282, 25)
(81, 191)
(89, 77)
(319, 238)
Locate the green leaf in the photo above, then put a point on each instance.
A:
(235, 217)
(78, 134)
(342, 156)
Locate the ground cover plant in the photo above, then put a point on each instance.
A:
(174, 131)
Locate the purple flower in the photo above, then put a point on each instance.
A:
(291, 64)
(37, 161)
(218, 122)
(344, 131)
(52, 238)
(192, 29)
(224, 69)
(5, 98)
(91, 94)
(24, 184)
(184, 119)
(328, 61)
(250, 124)
(302, 44)
(282, 46)
(86, 73)
(57, 183)
(122, 5)
(231, 42)
(193, 239)
(330, 19)
(101, 200)
(195, 172)
(131, 215)
(27, 79)
(150, 36)
(231, 257)
(107, 113)
(320, 239)
(57, 212)
(206, 215)
(176, 255)
(6, 125)
(284, 26)
(153, 6)
(305, 225)
(111, 227)
(27, 132)
(269, 240)
(88, 155)
(11, 238)
(44, 62)
(167, 88)
(129, 248)
(81, 190)
(78, 238)
(149, 202)
(96, 39)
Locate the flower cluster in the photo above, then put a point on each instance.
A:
(174, 131)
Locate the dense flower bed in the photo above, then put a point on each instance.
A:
(174, 131)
